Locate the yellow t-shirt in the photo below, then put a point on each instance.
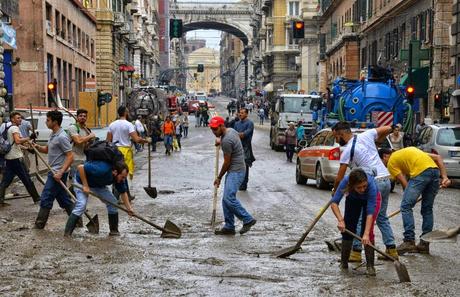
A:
(409, 161)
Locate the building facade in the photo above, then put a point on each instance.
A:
(209, 79)
(232, 65)
(56, 42)
(455, 62)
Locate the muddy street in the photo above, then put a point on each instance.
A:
(140, 263)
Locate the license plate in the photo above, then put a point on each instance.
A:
(455, 154)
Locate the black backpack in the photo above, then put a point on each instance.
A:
(103, 151)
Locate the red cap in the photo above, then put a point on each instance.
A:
(216, 122)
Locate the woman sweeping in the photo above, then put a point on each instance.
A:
(363, 198)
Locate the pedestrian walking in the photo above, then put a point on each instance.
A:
(80, 137)
(300, 132)
(261, 114)
(234, 170)
(178, 134)
(168, 131)
(140, 129)
(96, 176)
(245, 128)
(423, 171)
(14, 164)
(155, 132)
(185, 124)
(360, 151)
(60, 158)
(121, 133)
(396, 138)
(291, 139)
(363, 201)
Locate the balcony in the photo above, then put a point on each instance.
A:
(132, 39)
(350, 33)
(118, 19)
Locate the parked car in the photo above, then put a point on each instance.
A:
(443, 140)
(42, 131)
(320, 159)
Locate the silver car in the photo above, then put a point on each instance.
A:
(443, 140)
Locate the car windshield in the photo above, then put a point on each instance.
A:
(201, 97)
(449, 136)
(296, 104)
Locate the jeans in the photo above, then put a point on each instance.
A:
(54, 190)
(231, 205)
(16, 167)
(244, 184)
(290, 151)
(185, 131)
(82, 199)
(154, 142)
(427, 185)
(356, 211)
(168, 142)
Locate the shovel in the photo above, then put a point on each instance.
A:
(443, 235)
(93, 224)
(151, 191)
(214, 198)
(286, 252)
(37, 174)
(170, 230)
(401, 269)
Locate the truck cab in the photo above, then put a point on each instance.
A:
(292, 108)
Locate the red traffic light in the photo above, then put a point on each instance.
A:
(51, 86)
(437, 97)
(298, 25)
(410, 90)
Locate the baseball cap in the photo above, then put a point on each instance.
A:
(216, 122)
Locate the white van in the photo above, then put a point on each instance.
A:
(42, 131)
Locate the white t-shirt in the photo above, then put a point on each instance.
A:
(120, 130)
(139, 126)
(366, 154)
(15, 151)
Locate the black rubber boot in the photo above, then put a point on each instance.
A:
(71, 224)
(113, 224)
(42, 218)
(68, 210)
(346, 250)
(370, 256)
(2, 197)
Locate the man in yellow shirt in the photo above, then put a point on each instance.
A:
(423, 171)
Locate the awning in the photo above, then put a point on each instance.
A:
(268, 87)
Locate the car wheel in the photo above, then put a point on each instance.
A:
(299, 178)
(321, 183)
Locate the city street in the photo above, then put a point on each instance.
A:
(140, 263)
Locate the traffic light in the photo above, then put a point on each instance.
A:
(298, 29)
(195, 75)
(175, 28)
(52, 91)
(103, 98)
(200, 68)
(437, 100)
(445, 99)
(410, 93)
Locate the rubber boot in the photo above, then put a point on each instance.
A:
(68, 210)
(71, 224)
(390, 251)
(370, 257)
(346, 250)
(355, 257)
(113, 224)
(42, 218)
(423, 247)
(2, 197)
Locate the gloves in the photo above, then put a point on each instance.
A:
(33, 136)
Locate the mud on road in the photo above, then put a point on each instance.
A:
(140, 263)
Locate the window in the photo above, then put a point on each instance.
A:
(49, 67)
(57, 19)
(363, 57)
(49, 18)
(69, 31)
(63, 27)
(294, 8)
(64, 81)
(291, 40)
(413, 28)
(74, 36)
(78, 39)
(395, 51)
(387, 46)
(291, 62)
(92, 49)
(422, 26)
(330, 139)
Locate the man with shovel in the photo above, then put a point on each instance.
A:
(14, 161)
(360, 151)
(235, 170)
(60, 157)
(95, 176)
(423, 170)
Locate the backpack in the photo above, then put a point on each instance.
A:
(103, 151)
(5, 145)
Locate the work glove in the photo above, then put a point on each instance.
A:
(33, 136)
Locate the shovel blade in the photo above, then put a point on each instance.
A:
(151, 191)
(445, 235)
(286, 252)
(333, 246)
(93, 225)
(402, 272)
(171, 230)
